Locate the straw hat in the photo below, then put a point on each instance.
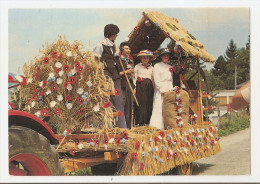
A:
(145, 53)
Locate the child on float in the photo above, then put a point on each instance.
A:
(163, 82)
(144, 88)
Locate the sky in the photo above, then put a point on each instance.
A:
(28, 29)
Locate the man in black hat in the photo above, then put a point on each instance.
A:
(105, 52)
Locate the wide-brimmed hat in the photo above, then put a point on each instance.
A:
(145, 53)
(164, 51)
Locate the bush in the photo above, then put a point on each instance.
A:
(229, 125)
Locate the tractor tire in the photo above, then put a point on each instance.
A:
(106, 169)
(31, 154)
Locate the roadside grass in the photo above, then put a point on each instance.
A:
(82, 172)
(232, 124)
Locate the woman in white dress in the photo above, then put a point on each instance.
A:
(163, 82)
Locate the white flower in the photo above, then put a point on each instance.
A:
(38, 113)
(69, 87)
(29, 108)
(105, 146)
(96, 108)
(29, 80)
(89, 83)
(80, 91)
(159, 137)
(73, 71)
(171, 152)
(80, 146)
(52, 104)
(69, 54)
(51, 75)
(156, 148)
(59, 80)
(58, 65)
(61, 73)
(41, 84)
(69, 106)
(59, 97)
(33, 104)
(48, 92)
(111, 140)
(19, 78)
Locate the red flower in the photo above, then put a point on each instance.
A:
(168, 153)
(167, 34)
(177, 107)
(125, 135)
(180, 100)
(156, 139)
(205, 138)
(182, 77)
(38, 69)
(77, 64)
(136, 28)
(34, 89)
(46, 60)
(140, 79)
(57, 111)
(119, 113)
(44, 112)
(67, 97)
(175, 155)
(117, 92)
(54, 87)
(134, 156)
(42, 93)
(171, 69)
(11, 104)
(54, 54)
(10, 78)
(44, 83)
(79, 69)
(183, 66)
(160, 153)
(182, 145)
(141, 166)
(66, 68)
(210, 108)
(137, 145)
(107, 104)
(72, 80)
(65, 84)
(81, 111)
(97, 142)
(76, 47)
(36, 76)
(169, 142)
(56, 69)
(212, 142)
(175, 140)
(106, 140)
(72, 151)
(192, 142)
(118, 141)
(177, 91)
(33, 96)
(202, 85)
(24, 81)
(188, 137)
(60, 56)
(80, 100)
(162, 133)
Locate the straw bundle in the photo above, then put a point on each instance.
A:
(66, 85)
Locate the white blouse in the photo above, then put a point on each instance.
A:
(143, 72)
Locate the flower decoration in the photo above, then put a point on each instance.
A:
(182, 77)
(80, 100)
(192, 142)
(137, 145)
(167, 34)
(67, 97)
(212, 142)
(59, 81)
(183, 66)
(97, 142)
(54, 54)
(46, 60)
(162, 133)
(210, 108)
(156, 139)
(118, 141)
(175, 155)
(89, 83)
(38, 69)
(96, 108)
(141, 166)
(105, 141)
(123, 141)
(59, 97)
(60, 56)
(171, 69)
(54, 87)
(202, 85)
(72, 80)
(34, 89)
(117, 92)
(107, 104)
(81, 111)
(80, 91)
(72, 151)
(52, 104)
(119, 113)
(143, 154)
(136, 28)
(58, 65)
(57, 111)
(180, 101)
(77, 64)
(69, 106)
(66, 68)
(125, 135)
(134, 156)
(140, 79)
(45, 112)
(79, 69)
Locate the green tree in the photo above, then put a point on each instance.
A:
(248, 43)
(231, 51)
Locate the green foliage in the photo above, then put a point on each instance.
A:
(228, 125)
(231, 51)
(82, 172)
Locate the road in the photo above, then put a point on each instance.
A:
(234, 159)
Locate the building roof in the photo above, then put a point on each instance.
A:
(150, 36)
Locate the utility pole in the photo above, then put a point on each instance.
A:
(235, 77)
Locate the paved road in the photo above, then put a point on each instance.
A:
(234, 159)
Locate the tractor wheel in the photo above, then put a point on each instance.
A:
(31, 154)
(106, 169)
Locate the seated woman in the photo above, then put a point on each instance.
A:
(163, 82)
(144, 88)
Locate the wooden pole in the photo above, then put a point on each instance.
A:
(128, 82)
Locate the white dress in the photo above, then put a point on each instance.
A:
(163, 82)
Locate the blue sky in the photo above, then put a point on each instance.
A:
(28, 29)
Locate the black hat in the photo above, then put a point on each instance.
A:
(124, 44)
(164, 51)
(110, 29)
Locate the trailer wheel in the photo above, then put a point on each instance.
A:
(31, 154)
(185, 169)
(107, 169)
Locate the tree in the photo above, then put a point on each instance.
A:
(248, 43)
(231, 51)
(220, 66)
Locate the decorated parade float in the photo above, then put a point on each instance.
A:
(66, 122)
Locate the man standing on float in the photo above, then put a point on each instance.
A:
(105, 51)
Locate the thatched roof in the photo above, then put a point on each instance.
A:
(151, 37)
